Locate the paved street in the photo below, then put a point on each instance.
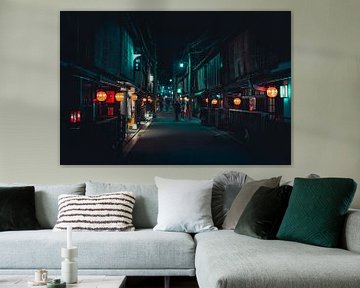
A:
(166, 141)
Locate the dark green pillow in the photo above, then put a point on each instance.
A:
(264, 213)
(17, 208)
(316, 211)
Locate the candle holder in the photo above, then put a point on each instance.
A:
(69, 271)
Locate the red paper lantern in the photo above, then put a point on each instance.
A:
(237, 101)
(101, 95)
(119, 96)
(271, 92)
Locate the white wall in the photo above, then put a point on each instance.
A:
(326, 90)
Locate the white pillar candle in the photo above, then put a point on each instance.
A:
(69, 237)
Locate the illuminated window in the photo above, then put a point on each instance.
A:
(285, 91)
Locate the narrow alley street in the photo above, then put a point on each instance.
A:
(185, 142)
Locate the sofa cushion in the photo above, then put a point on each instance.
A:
(226, 187)
(105, 212)
(142, 249)
(184, 205)
(146, 205)
(263, 215)
(17, 208)
(316, 211)
(46, 200)
(225, 259)
(351, 237)
(243, 198)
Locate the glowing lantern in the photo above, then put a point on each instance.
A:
(144, 99)
(75, 116)
(101, 95)
(134, 97)
(214, 101)
(72, 117)
(78, 116)
(119, 96)
(207, 100)
(271, 92)
(237, 101)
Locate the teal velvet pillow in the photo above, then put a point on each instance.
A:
(316, 211)
(17, 208)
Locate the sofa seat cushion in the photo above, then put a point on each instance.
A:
(142, 249)
(226, 259)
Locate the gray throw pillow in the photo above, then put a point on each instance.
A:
(310, 176)
(226, 187)
(242, 199)
(263, 215)
(184, 205)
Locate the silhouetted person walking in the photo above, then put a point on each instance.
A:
(177, 110)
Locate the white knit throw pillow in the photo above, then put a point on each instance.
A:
(105, 212)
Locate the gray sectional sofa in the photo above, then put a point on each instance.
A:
(219, 259)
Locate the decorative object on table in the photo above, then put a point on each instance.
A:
(56, 283)
(41, 275)
(40, 279)
(69, 269)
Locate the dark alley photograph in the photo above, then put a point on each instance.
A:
(175, 88)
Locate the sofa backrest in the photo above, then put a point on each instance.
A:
(146, 203)
(351, 235)
(46, 200)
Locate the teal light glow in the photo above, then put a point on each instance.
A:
(289, 90)
(284, 91)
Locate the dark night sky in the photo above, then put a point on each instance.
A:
(172, 30)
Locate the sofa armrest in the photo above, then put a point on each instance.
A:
(351, 234)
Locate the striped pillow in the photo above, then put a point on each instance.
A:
(105, 212)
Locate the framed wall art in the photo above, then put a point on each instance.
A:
(175, 88)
